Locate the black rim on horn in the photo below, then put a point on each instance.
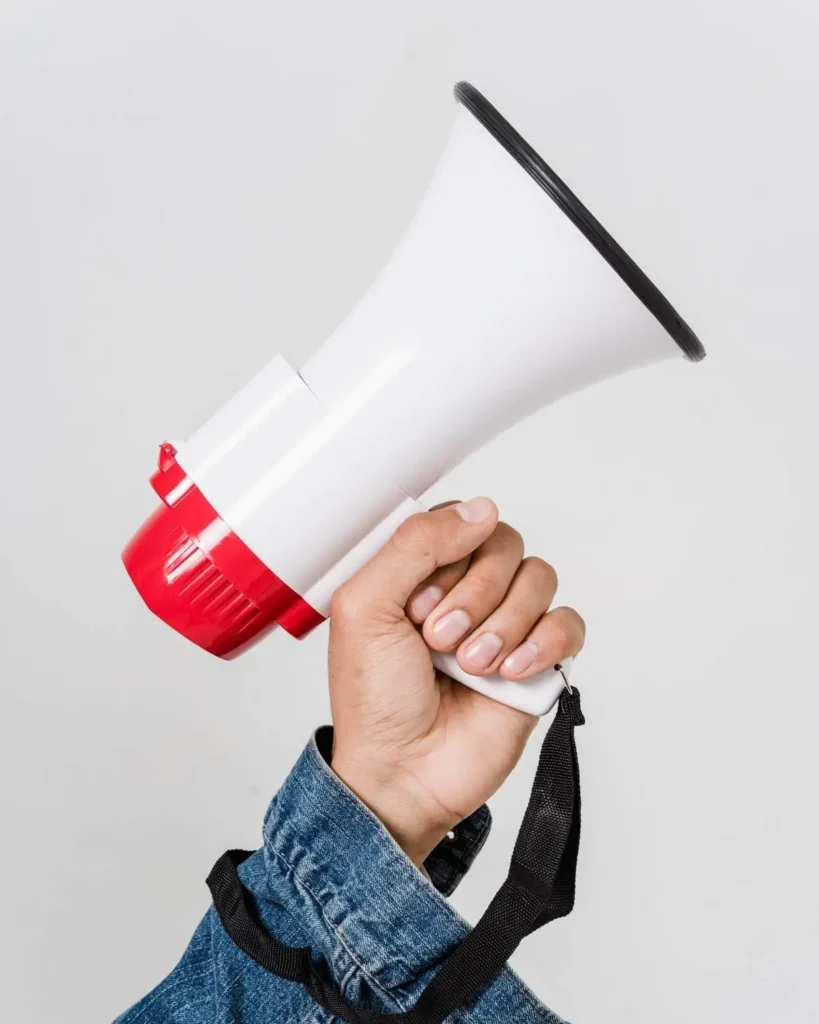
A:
(648, 293)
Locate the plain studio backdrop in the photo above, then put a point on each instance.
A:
(187, 188)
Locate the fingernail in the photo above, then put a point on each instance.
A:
(449, 629)
(476, 510)
(483, 650)
(424, 602)
(521, 658)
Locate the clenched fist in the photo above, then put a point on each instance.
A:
(421, 750)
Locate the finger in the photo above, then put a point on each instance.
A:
(431, 592)
(434, 589)
(478, 594)
(559, 634)
(420, 545)
(528, 597)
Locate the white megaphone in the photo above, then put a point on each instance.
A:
(504, 294)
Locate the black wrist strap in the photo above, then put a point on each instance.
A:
(538, 889)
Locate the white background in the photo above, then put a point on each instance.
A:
(188, 187)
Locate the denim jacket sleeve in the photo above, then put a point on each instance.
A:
(329, 876)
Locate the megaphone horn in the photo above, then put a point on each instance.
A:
(505, 294)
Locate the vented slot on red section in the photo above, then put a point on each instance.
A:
(194, 572)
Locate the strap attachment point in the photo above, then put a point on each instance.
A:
(566, 683)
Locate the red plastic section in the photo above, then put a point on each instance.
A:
(194, 573)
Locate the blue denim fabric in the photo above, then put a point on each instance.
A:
(329, 876)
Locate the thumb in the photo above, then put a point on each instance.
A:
(419, 546)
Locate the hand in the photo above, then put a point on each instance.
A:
(421, 750)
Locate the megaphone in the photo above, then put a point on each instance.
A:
(504, 294)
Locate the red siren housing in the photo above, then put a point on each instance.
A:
(193, 572)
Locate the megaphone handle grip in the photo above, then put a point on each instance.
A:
(536, 695)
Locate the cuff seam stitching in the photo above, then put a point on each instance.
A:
(393, 851)
(300, 883)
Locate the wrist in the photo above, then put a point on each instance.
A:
(415, 821)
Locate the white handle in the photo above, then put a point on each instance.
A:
(536, 695)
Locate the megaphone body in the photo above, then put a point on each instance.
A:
(505, 294)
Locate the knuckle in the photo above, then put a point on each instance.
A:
(562, 637)
(510, 537)
(570, 630)
(414, 533)
(516, 622)
(579, 624)
(544, 572)
(484, 591)
(414, 540)
(344, 603)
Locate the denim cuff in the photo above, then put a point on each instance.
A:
(356, 884)
(382, 926)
